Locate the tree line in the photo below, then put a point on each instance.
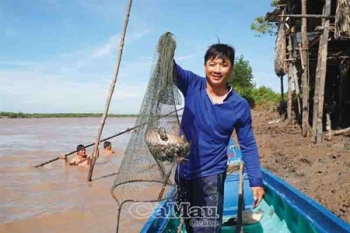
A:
(242, 81)
(58, 115)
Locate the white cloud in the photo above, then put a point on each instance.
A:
(188, 57)
(112, 43)
(107, 48)
(35, 92)
(136, 35)
(78, 81)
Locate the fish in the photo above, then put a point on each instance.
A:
(166, 146)
(161, 137)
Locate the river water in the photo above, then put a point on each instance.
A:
(55, 198)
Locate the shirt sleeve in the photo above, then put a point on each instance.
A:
(250, 154)
(184, 79)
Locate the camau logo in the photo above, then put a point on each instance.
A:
(146, 210)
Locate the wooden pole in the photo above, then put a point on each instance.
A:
(290, 96)
(305, 81)
(308, 16)
(282, 91)
(297, 90)
(328, 126)
(290, 75)
(111, 90)
(321, 70)
(316, 94)
(341, 131)
(344, 68)
(105, 139)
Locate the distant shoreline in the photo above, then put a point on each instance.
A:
(59, 115)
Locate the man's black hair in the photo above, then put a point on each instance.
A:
(80, 147)
(106, 144)
(221, 51)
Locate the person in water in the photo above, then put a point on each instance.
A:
(107, 148)
(81, 159)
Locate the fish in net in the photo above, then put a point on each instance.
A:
(146, 171)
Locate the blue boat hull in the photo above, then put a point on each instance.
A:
(285, 209)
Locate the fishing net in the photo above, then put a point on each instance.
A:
(146, 171)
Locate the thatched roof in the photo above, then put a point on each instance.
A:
(280, 51)
(342, 20)
(274, 15)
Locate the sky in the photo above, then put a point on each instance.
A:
(59, 56)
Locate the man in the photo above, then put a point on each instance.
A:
(81, 159)
(213, 110)
(107, 148)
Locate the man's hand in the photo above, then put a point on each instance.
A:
(258, 193)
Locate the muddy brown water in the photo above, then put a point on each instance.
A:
(55, 198)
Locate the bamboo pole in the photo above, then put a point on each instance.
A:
(308, 16)
(321, 70)
(343, 69)
(111, 90)
(297, 89)
(105, 139)
(341, 131)
(282, 91)
(290, 75)
(305, 82)
(290, 96)
(328, 126)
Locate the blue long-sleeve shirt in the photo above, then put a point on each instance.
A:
(209, 126)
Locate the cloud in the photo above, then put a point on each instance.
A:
(111, 45)
(107, 48)
(35, 92)
(136, 35)
(87, 62)
(188, 57)
(79, 81)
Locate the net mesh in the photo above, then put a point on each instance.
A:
(146, 170)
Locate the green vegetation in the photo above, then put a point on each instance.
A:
(242, 81)
(58, 115)
(261, 26)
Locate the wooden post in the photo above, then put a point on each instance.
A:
(282, 91)
(111, 90)
(322, 69)
(321, 77)
(341, 94)
(308, 16)
(290, 96)
(290, 75)
(297, 90)
(344, 73)
(305, 70)
(328, 126)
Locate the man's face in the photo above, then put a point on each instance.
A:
(218, 71)
(82, 153)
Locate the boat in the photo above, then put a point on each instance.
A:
(283, 209)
